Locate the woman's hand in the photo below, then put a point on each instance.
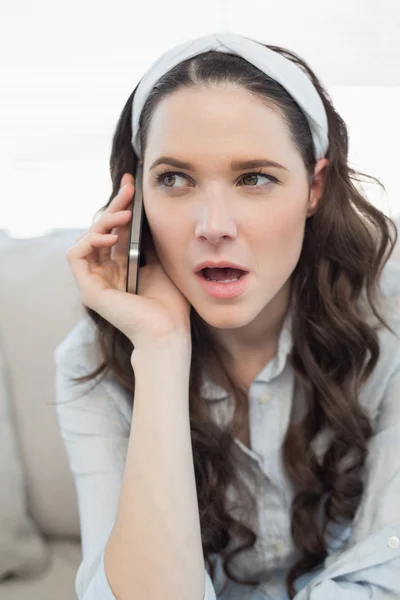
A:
(98, 262)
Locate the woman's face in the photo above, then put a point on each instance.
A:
(211, 211)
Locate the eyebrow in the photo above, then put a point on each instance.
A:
(235, 165)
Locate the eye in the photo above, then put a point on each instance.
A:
(262, 174)
(161, 176)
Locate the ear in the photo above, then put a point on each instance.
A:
(317, 186)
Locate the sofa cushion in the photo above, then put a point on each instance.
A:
(57, 583)
(22, 550)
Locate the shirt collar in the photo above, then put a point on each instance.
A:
(274, 367)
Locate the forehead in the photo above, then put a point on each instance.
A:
(225, 117)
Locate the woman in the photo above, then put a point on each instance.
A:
(238, 443)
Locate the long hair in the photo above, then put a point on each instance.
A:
(346, 245)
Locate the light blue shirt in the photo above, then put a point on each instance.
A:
(96, 427)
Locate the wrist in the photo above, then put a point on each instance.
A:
(174, 348)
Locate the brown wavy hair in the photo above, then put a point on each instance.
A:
(346, 245)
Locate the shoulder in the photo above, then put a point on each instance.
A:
(390, 311)
(387, 367)
(78, 354)
(388, 364)
(79, 341)
(390, 278)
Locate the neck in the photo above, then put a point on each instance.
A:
(251, 347)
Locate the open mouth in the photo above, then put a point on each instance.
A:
(222, 274)
(224, 282)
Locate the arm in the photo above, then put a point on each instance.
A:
(155, 549)
(96, 427)
(369, 566)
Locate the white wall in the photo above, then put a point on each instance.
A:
(66, 71)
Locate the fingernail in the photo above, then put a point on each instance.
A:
(122, 189)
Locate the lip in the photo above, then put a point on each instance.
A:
(210, 264)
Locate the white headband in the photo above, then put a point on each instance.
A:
(283, 70)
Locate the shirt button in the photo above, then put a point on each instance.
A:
(393, 542)
(279, 547)
(265, 398)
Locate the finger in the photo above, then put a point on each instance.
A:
(115, 223)
(121, 201)
(126, 177)
(88, 242)
(97, 215)
(113, 220)
(109, 221)
(121, 248)
(124, 196)
(83, 253)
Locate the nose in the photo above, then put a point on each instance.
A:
(215, 224)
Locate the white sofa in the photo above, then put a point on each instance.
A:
(39, 523)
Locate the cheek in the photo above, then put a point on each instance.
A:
(167, 235)
(289, 225)
(280, 239)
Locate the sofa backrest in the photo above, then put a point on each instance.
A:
(39, 304)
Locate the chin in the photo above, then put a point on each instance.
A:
(225, 317)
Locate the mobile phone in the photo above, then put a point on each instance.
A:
(135, 258)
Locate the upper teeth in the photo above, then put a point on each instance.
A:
(223, 280)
